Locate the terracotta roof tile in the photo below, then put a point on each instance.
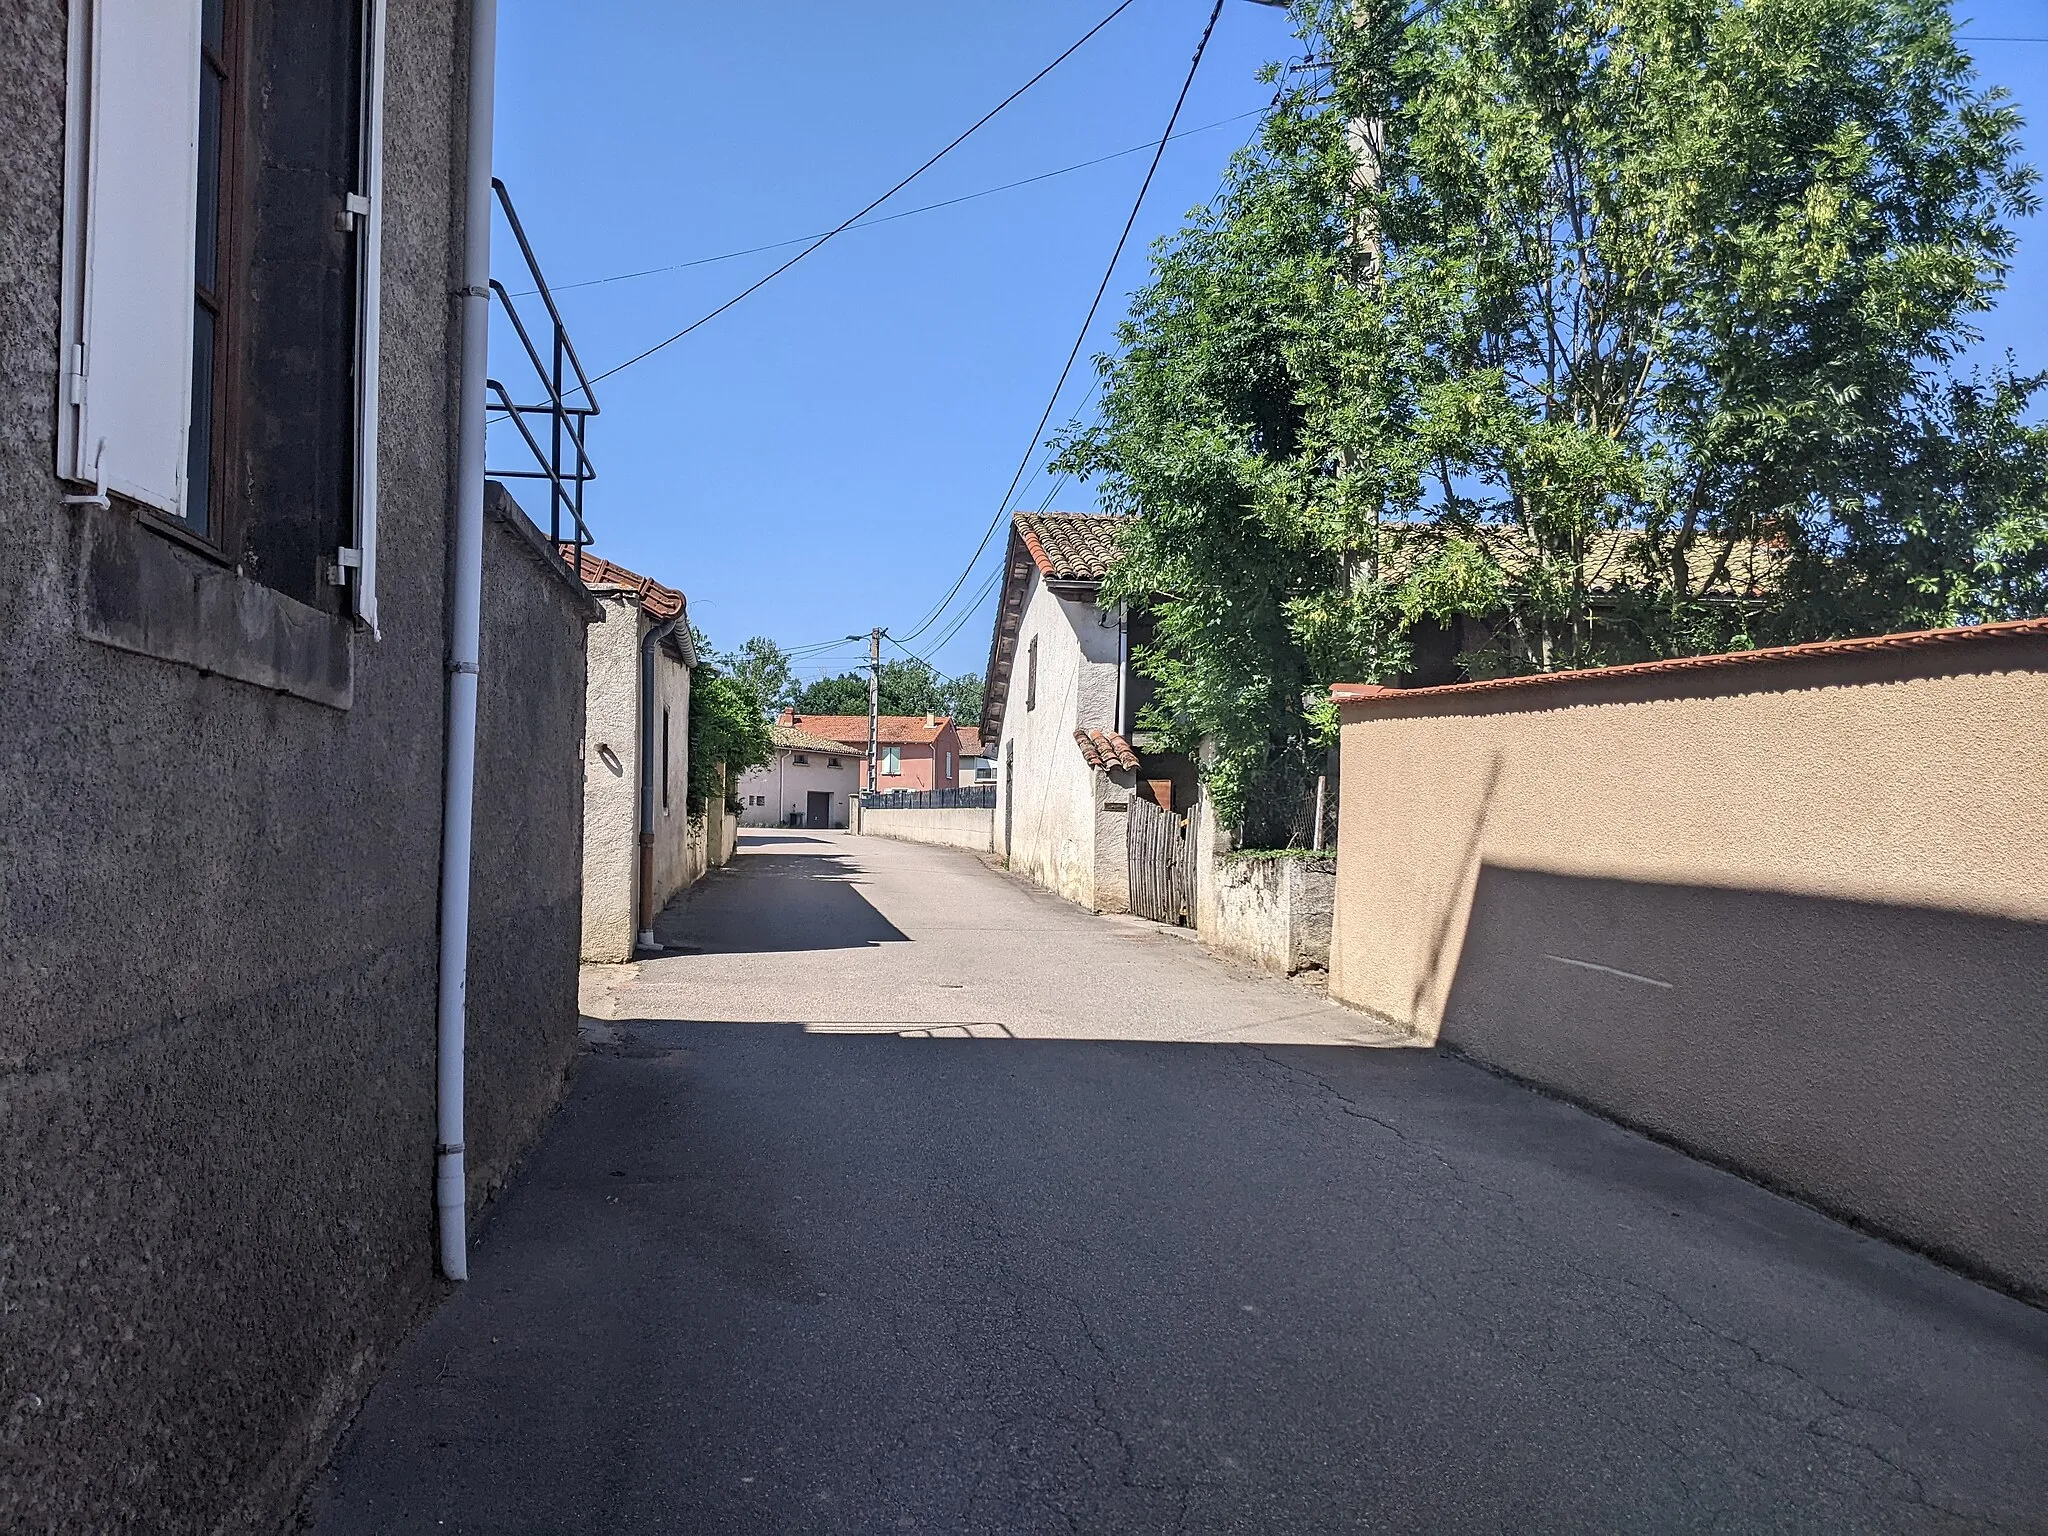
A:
(795, 739)
(1070, 546)
(1910, 640)
(602, 575)
(1106, 750)
(970, 740)
(852, 730)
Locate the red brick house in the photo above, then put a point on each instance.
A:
(916, 751)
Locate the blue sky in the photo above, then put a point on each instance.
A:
(825, 456)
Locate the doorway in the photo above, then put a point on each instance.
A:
(818, 809)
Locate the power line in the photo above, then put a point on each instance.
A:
(968, 197)
(1122, 6)
(1108, 272)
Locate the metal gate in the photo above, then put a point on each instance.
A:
(1162, 853)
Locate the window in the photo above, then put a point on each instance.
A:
(892, 761)
(664, 762)
(1031, 675)
(800, 760)
(949, 765)
(219, 310)
(831, 762)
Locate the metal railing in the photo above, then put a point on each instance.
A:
(563, 416)
(975, 797)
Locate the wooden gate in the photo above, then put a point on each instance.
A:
(1162, 853)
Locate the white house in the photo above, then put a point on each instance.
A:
(1059, 714)
(639, 844)
(810, 783)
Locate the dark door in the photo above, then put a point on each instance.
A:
(1009, 796)
(818, 808)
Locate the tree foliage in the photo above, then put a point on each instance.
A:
(909, 686)
(763, 667)
(1621, 328)
(728, 729)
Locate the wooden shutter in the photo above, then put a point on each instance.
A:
(131, 197)
(369, 224)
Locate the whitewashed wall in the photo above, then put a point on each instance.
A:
(786, 786)
(1052, 825)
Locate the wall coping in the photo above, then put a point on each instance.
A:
(1361, 696)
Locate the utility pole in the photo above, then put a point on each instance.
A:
(874, 709)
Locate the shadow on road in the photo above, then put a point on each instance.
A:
(817, 905)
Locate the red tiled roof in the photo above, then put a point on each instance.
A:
(852, 730)
(794, 738)
(600, 575)
(1070, 546)
(1910, 640)
(1106, 750)
(970, 740)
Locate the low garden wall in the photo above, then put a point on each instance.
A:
(971, 827)
(1273, 911)
(1785, 909)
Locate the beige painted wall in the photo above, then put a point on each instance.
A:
(1791, 915)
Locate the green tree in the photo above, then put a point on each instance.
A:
(728, 735)
(762, 666)
(909, 686)
(1543, 299)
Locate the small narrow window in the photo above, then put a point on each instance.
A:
(1031, 675)
(831, 762)
(801, 761)
(664, 759)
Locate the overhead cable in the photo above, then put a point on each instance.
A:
(1081, 338)
(979, 123)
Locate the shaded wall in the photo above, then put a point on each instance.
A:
(525, 933)
(218, 913)
(1790, 915)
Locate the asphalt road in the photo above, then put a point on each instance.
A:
(904, 1198)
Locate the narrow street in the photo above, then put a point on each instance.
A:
(902, 1197)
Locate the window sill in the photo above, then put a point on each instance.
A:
(141, 592)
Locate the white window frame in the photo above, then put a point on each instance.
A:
(125, 327)
(892, 762)
(360, 560)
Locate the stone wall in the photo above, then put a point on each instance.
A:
(1274, 913)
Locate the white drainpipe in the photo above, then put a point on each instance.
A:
(465, 625)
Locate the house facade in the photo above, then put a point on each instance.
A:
(916, 752)
(811, 782)
(640, 846)
(228, 368)
(1060, 713)
(977, 762)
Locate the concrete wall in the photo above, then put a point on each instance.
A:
(955, 827)
(1052, 824)
(1275, 913)
(784, 786)
(1790, 914)
(218, 911)
(526, 907)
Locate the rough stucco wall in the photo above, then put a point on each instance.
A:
(1052, 824)
(526, 908)
(1250, 912)
(219, 907)
(785, 784)
(954, 827)
(1109, 801)
(671, 821)
(611, 778)
(1819, 904)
